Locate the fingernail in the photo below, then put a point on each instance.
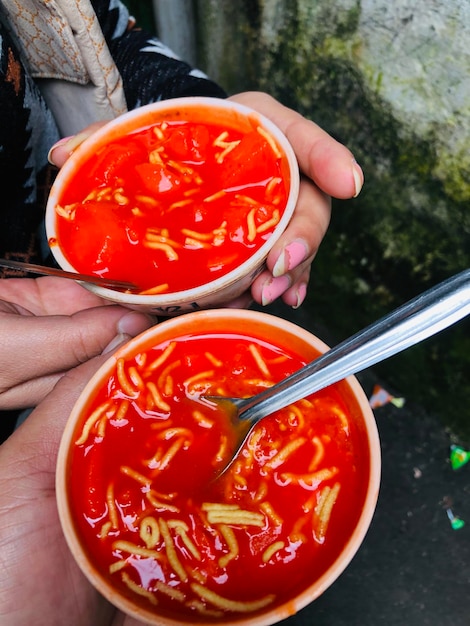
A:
(117, 341)
(61, 142)
(300, 295)
(273, 288)
(133, 323)
(292, 255)
(68, 143)
(358, 175)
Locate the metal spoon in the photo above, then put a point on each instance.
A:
(53, 271)
(420, 318)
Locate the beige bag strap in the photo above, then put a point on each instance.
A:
(66, 51)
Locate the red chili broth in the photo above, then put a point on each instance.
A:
(144, 188)
(134, 440)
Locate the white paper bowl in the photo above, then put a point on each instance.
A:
(281, 333)
(226, 287)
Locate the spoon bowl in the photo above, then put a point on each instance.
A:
(420, 318)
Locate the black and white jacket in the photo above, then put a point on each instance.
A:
(63, 65)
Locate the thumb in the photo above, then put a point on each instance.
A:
(36, 351)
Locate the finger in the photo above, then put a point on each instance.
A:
(33, 347)
(305, 232)
(61, 150)
(323, 159)
(39, 436)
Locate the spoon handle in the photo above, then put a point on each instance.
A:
(420, 318)
(52, 271)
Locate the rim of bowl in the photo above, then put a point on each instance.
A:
(145, 340)
(176, 297)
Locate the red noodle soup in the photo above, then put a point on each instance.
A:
(157, 521)
(174, 204)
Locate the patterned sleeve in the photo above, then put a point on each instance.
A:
(150, 70)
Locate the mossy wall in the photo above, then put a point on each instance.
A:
(410, 226)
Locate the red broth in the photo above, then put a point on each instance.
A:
(158, 522)
(174, 205)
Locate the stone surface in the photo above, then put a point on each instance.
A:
(391, 80)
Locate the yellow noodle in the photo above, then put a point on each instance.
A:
(122, 410)
(271, 550)
(194, 234)
(296, 417)
(202, 420)
(196, 244)
(215, 196)
(67, 212)
(171, 592)
(285, 452)
(229, 147)
(259, 382)
(180, 203)
(171, 551)
(240, 480)
(325, 511)
(169, 251)
(232, 544)
(138, 589)
(149, 531)
(101, 427)
(251, 225)
(201, 608)
(112, 510)
(261, 492)
(140, 478)
(220, 139)
(169, 454)
(312, 479)
(231, 605)
(268, 224)
(260, 362)
(157, 131)
(274, 182)
(165, 381)
(238, 518)
(197, 574)
(124, 381)
(119, 197)
(132, 548)
(117, 566)
(155, 157)
(342, 416)
(146, 200)
(269, 511)
(157, 399)
(91, 421)
(197, 377)
(158, 504)
(176, 431)
(182, 529)
(153, 291)
(219, 506)
(270, 141)
(104, 532)
(222, 451)
(319, 454)
(162, 358)
(135, 377)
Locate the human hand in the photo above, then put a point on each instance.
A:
(48, 326)
(328, 170)
(40, 582)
